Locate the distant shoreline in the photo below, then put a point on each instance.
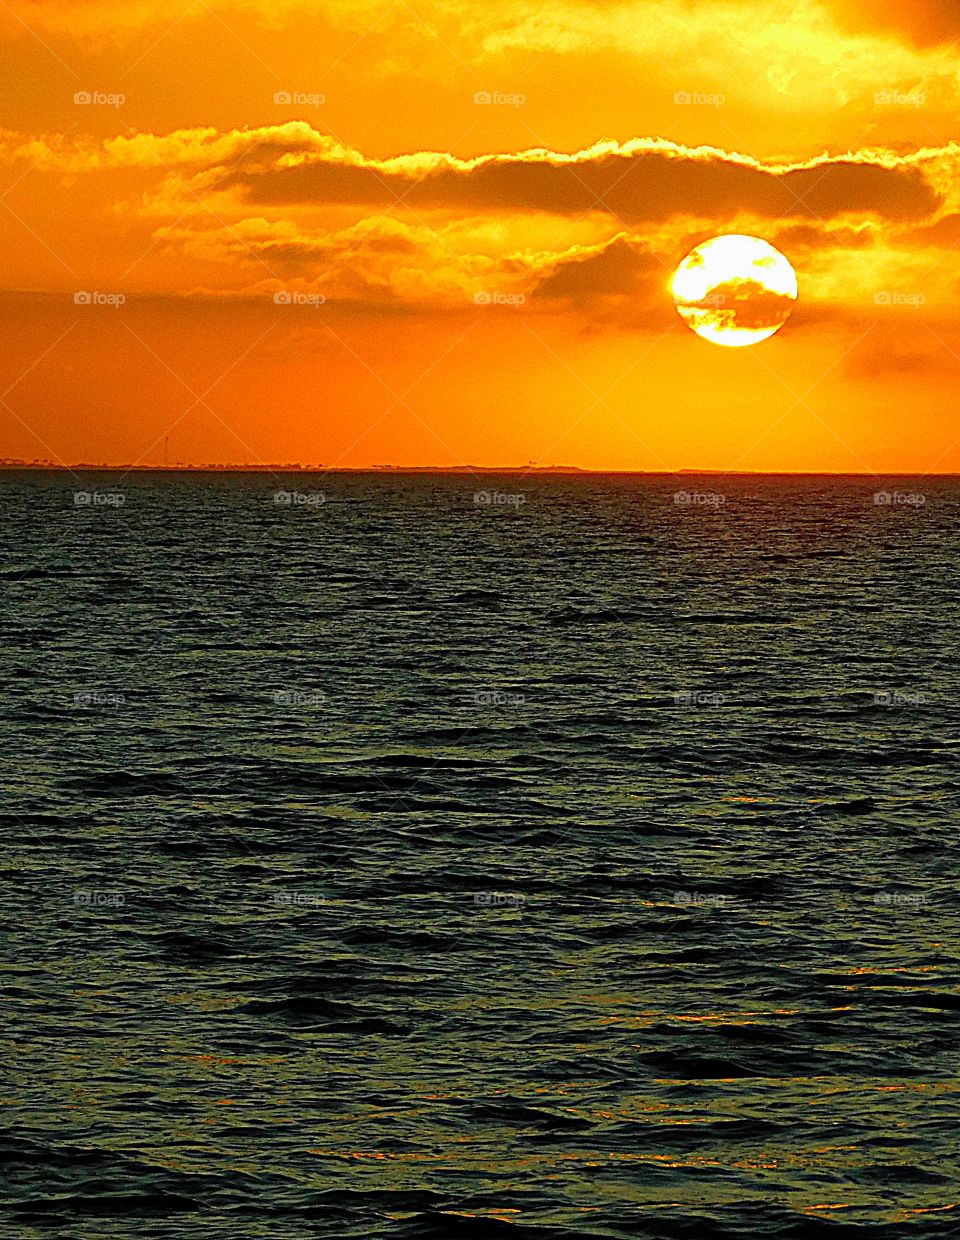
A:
(460, 470)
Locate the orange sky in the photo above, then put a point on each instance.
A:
(361, 233)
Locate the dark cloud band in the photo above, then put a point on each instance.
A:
(638, 186)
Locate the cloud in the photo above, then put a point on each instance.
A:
(923, 23)
(645, 180)
(565, 27)
(944, 232)
(198, 148)
(597, 232)
(888, 351)
(744, 304)
(807, 237)
(621, 268)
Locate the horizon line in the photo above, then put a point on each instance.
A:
(294, 467)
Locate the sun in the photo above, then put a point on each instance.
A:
(735, 290)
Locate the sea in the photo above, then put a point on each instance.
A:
(475, 856)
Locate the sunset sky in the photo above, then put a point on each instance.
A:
(442, 233)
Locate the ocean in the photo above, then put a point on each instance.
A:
(496, 857)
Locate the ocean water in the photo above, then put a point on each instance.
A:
(495, 857)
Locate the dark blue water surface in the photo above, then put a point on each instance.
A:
(427, 856)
